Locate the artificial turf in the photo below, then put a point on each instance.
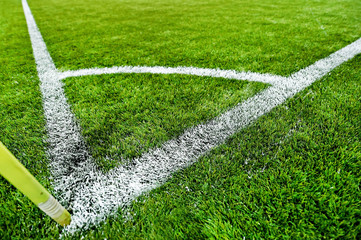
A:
(295, 173)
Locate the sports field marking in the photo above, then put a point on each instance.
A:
(92, 195)
(204, 72)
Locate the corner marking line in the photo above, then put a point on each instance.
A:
(92, 195)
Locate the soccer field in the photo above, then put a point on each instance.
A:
(184, 119)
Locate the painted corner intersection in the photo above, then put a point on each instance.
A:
(93, 195)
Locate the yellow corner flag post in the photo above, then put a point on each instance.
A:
(20, 177)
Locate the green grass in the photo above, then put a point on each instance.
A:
(124, 115)
(269, 36)
(21, 125)
(295, 173)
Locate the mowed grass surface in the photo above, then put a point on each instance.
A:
(295, 173)
(270, 36)
(124, 115)
(21, 126)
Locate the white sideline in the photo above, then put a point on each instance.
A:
(92, 195)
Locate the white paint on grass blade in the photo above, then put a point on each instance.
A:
(93, 195)
(66, 147)
(204, 72)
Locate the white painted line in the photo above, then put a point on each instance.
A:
(102, 194)
(205, 72)
(66, 145)
(320, 68)
(44, 62)
(93, 195)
